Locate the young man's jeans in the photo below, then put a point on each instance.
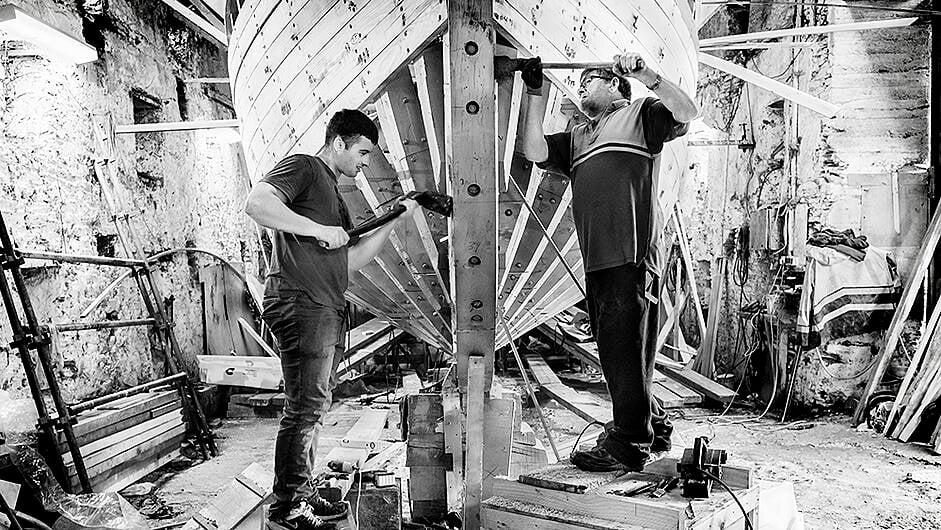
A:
(624, 321)
(309, 337)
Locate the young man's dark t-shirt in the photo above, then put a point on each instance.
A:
(300, 263)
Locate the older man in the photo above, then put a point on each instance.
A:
(613, 162)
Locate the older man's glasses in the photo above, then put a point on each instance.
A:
(584, 83)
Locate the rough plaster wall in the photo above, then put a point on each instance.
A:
(51, 199)
(880, 78)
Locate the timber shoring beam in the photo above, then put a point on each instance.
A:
(471, 153)
(472, 171)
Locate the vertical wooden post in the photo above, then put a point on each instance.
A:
(471, 166)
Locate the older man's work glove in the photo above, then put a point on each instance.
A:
(531, 71)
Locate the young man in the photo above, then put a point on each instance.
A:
(304, 304)
(613, 163)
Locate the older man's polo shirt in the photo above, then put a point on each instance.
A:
(300, 263)
(613, 163)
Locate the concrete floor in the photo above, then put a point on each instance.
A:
(843, 478)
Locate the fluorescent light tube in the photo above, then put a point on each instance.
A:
(19, 25)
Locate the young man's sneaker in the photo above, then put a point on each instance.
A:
(326, 510)
(301, 516)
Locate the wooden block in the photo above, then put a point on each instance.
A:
(424, 413)
(427, 450)
(253, 372)
(453, 427)
(365, 432)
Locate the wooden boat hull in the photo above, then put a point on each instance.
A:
(293, 63)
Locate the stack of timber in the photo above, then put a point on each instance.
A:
(921, 386)
(123, 440)
(561, 496)
(920, 391)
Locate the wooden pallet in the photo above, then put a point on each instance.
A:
(588, 500)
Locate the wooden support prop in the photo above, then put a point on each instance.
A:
(909, 295)
(473, 466)
(175, 126)
(809, 30)
(471, 153)
(787, 92)
(213, 32)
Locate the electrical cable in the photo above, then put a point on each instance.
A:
(579, 439)
(748, 524)
(823, 365)
(359, 493)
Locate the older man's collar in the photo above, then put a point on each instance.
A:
(615, 105)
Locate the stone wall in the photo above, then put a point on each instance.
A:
(840, 168)
(181, 188)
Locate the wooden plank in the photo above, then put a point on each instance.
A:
(696, 381)
(213, 32)
(453, 440)
(809, 30)
(240, 498)
(473, 465)
(688, 262)
(686, 395)
(585, 406)
(127, 473)
(252, 334)
(175, 126)
(499, 417)
(254, 372)
(224, 303)
(787, 92)
(131, 450)
(667, 398)
(909, 295)
(614, 508)
(98, 423)
(704, 362)
(428, 74)
(499, 513)
(472, 178)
